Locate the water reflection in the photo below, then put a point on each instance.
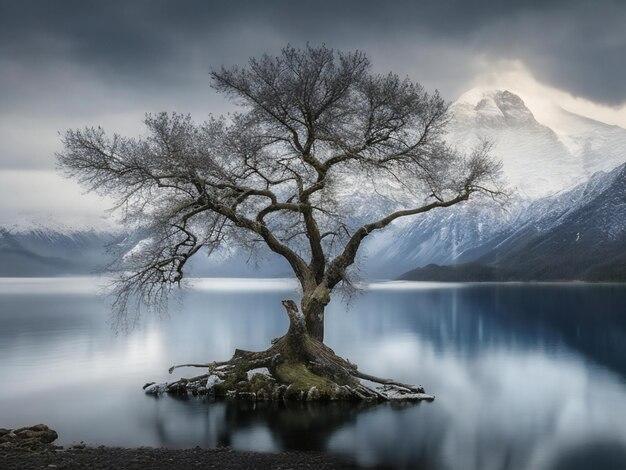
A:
(261, 426)
(526, 376)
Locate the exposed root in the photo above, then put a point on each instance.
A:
(205, 366)
(296, 366)
(399, 385)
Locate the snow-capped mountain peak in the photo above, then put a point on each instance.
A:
(538, 160)
(494, 108)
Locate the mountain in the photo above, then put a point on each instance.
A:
(38, 252)
(576, 235)
(538, 162)
(440, 236)
(34, 251)
(466, 272)
(542, 162)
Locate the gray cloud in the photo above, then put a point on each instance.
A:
(71, 63)
(574, 44)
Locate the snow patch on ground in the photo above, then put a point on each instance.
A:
(259, 370)
(212, 381)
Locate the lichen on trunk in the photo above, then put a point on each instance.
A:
(297, 366)
(313, 304)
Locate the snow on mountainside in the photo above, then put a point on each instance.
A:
(600, 146)
(537, 160)
(440, 236)
(590, 215)
(63, 225)
(42, 251)
(579, 234)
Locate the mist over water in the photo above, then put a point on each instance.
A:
(526, 376)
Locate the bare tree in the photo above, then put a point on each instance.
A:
(316, 135)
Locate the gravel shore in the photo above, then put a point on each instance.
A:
(33, 447)
(151, 458)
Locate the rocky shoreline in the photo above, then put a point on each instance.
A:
(32, 448)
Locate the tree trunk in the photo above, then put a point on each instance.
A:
(314, 301)
(314, 315)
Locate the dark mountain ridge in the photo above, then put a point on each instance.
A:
(577, 235)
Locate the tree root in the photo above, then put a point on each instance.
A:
(261, 376)
(295, 367)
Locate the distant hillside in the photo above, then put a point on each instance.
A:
(538, 162)
(468, 272)
(577, 235)
(36, 253)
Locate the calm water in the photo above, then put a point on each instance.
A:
(526, 376)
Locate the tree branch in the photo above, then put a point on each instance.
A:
(337, 267)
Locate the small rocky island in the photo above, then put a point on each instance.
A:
(296, 367)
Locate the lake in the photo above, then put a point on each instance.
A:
(526, 376)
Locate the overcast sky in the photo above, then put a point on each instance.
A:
(69, 64)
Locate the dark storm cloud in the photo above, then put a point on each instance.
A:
(576, 45)
(72, 63)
